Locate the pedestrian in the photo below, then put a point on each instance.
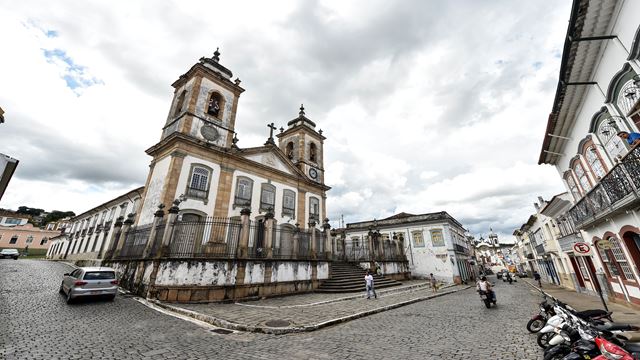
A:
(368, 280)
(434, 282)
(536, 277)
(632, 138)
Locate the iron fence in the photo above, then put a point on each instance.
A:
(212, 237)
(134, 243)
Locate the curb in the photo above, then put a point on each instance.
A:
(297, 329)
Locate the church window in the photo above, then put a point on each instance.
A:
(608, 134)
(180, 103)
(289, 150)
(313, 152)
(582, 177)
(267, 197)
(244, 187)
(314, 209)
(214, 106)
(288, 203)
(594, 161)
(199, 182)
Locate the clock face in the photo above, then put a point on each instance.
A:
(313, 173)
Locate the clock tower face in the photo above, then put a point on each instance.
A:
(313, 174)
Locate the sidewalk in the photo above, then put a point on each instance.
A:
(621, 312)
(306, 312)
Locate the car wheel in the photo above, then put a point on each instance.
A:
(15, 258)
(61, 290)
(69, 298)
(111, 298)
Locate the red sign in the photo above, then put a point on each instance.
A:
(581, 248)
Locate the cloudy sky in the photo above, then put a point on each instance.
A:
(427, 105)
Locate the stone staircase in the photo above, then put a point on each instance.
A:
(347, 277)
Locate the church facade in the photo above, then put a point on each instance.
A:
(198, 161)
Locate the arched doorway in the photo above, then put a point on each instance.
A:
(631, 238)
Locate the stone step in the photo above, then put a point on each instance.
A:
(350, 278)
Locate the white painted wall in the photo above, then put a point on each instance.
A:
(153, 191)
(196, 273)
(183, 182)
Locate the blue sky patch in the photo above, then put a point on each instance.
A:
(51, 33)
(74, 75)
(537, 65)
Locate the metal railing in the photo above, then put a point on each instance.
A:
(212, 237)
(135, 242)
(618, 189)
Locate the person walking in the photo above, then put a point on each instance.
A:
(368, 280)
(434, 282)
(536, 277)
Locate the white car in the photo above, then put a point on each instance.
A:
(89, 282)
(9, 253)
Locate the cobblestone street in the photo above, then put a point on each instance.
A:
(38, 324)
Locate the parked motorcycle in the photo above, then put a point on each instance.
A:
(537, 322)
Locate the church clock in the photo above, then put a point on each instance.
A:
(313, 173)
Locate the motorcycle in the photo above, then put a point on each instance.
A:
(537, 322)
(487, 297)
(566, 315)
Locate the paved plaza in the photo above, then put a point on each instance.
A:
(38, 324)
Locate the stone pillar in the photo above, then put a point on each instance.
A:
(328, 242)
(314, 248)
(117, 229)
(296, 241)
(268, 234)
(243, 244)
(157, 219)
(168, 230)
(123, 234)
(372, 251)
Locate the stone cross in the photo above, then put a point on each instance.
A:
(271, 127)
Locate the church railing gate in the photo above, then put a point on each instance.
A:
(135, 243)
(213, 237)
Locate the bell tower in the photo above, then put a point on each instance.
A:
(303, 145)
(204, 103)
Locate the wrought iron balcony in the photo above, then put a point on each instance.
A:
(617, 191)
(540, 249)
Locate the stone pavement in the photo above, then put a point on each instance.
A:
(307, 312)
(36, 323)
(621, 312)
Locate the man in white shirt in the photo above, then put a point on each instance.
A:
(484, 285)
(368, 279)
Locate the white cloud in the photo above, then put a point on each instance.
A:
(420, 115)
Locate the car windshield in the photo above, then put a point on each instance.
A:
(99, 275)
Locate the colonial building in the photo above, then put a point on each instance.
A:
(597, 96)
(26, 238)
(12, 218)
(492, 251)
(87, 235)
(433, 243)
(198, 159)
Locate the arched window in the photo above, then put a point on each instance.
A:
(595, 162)
(608, 134)
(313, 152)
(584, 181)
(214, 106)
(244, 187)
(289, 150)
(314, 209)
(614, 260)
(289, 203)
(571, 184)
(199, 182)
(180, 103)
(267, 197)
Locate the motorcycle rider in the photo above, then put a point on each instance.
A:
(484, 285)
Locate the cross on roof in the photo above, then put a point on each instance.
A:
(271, 128)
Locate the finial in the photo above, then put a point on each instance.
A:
(237, 81)
(216, 55)
(301, 110)
(320, 131)
(281, 130)
(235, 140)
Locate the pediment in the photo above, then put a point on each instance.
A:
(270, 158)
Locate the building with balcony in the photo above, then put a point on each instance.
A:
(26, 238)
(433, 243)
(597, 96)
